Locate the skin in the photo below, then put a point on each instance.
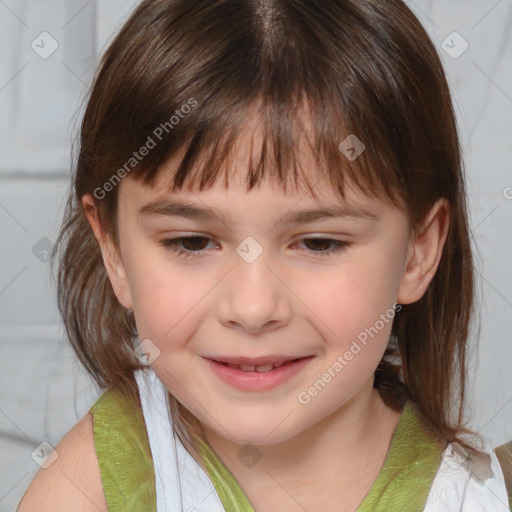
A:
(288, 301)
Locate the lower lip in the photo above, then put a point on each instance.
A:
(258, 381)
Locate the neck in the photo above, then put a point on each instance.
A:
(361, 432)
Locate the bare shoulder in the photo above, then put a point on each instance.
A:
(73, 480)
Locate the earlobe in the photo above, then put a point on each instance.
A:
(111, 258)
(425, 253)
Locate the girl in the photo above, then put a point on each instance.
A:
(295, 337)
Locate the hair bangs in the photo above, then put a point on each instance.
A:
(294, 146)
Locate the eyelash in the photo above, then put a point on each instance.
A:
(171, 244)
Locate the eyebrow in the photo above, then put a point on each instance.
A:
(163, 207)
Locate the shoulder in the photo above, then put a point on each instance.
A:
(73, 480)
(488, 493)
(467, 482)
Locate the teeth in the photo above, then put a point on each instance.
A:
(251, 368)
(266, 368)
(245, 367)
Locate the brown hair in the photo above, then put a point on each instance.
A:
(357, 67)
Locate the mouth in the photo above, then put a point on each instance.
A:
(257, 368)
(258, 377)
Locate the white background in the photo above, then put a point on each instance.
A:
(43, 389)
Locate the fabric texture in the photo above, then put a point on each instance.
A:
(123, 453)
(128, 473)
(504, 454)
(465, 484)
(182, 484)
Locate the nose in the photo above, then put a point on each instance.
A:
(254, 297)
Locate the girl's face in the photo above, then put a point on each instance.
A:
(259, 280)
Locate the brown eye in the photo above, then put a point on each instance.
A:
(195, 243)
(189, 246)
(318, 244)
(321, 246)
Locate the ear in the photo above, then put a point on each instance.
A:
(425, 253)
(111, 258)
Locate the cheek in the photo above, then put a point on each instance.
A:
(354, 303)
(353, 309)
(167, 297)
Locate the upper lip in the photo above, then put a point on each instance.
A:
(255, 361)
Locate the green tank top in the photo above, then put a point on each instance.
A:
(127, 472)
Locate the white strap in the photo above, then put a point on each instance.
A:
(456, 488)
(181, 483)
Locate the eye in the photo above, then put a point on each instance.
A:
(196, 243)
(339, 245)
(173, 245)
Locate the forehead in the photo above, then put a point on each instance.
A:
(232, 202)
(249, 173)
(252, 166)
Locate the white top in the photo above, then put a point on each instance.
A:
(456, 486)
(183, 485)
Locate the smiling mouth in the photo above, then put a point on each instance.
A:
(257, 378)
(252, 368)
